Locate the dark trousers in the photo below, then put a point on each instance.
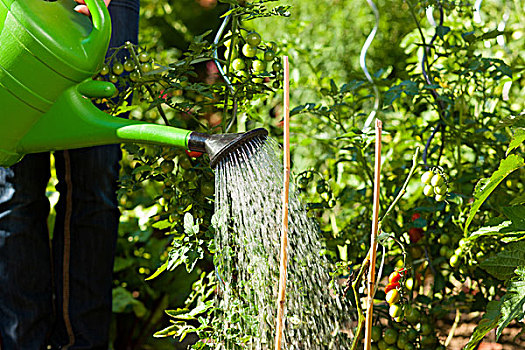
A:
(58, 292)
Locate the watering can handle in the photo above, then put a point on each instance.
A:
(101, 23)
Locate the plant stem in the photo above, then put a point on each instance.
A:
(403, 188)
(454, 326)
(131, 49)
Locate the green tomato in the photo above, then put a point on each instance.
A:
(167, 166)
(249, 51)
(412, 335)
(402, 340)
(238, 64)
(184, 162)
(321, 187)
(382, 345)
(390, 336)
(118, 68)
(377, 333)
(227, 54)
(207, 189)
(144, 57)
(409, 346)
(269, 55)
(189, 175)
(454, 261)
(146, 67)
(104, 70)
(444, 239)
(113, 78)
(134, 76)
(426, 329)
(253, 39)
(392, 296)
(412, 315)
(129, 65)
(409, 283)
(437, 180)
(426, 178)
(443, 250)
(258, 66)
(395, 310)
(428, 190)
(277, 67)
(441, 190)
(428, 340)
(276, 85)
(302, 183)
(440, 197)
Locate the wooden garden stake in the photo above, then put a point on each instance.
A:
(286, 189)
(373, 241)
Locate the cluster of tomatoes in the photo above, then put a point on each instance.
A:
(322, 188)
(393, 296)
(132, 68)
(255, 61)
(435, 185)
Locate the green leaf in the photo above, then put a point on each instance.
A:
(124, 302)
(507, 166)
(519, 200)
(486, 324)
(141, 169)
(333, 87)
(491, 34)
(513, 301)
(517, 215)
(162, 225)
(441, 31)
(193, 257)
(160, 270)
(170, 330)
(517, 140)
(190, 228)
(503, 264)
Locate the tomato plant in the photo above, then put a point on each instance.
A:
(449, 81)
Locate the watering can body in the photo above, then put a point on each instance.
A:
(48, 54)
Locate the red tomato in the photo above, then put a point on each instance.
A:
(391, 286)
(415, 216)
(394, 277)
(415, 234)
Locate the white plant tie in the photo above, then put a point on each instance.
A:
(362, 62)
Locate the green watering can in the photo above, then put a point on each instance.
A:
(48, 54)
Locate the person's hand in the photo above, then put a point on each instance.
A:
(82, 8)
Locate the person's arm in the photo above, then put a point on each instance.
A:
(82, 8)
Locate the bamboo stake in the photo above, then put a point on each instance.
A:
(286, 188)
(373, 241)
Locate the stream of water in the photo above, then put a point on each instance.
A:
(248, 216)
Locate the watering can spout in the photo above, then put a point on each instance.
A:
(74, 122)
(219, 146)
